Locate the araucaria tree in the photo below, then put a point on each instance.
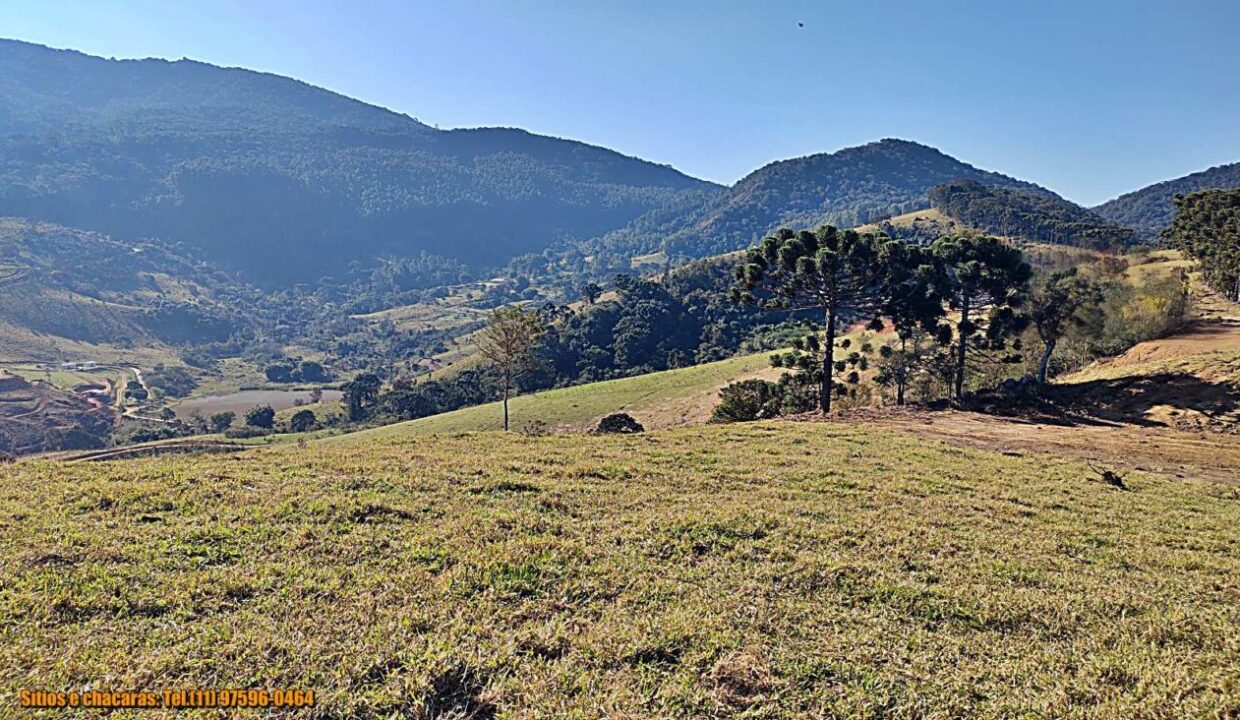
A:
(985, 282)
(914, 304)
(1207, 229)
(360, 393)
(509, 342)
(1057, 302)
(838, 272)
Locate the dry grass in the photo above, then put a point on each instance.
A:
(763, 571)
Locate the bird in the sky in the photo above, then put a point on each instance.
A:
(800, 24)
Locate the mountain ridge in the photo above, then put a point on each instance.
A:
(846, 187)
(296, 178)
(1149, 209)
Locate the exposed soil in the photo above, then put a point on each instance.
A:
(1168, 451)
(1170, 406)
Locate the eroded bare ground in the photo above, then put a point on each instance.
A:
(1167, 451)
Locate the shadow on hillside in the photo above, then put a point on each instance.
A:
(1160, 400)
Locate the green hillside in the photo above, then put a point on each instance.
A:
(1149, 209)
(849, 187)
(773, 570)
(660, 399)
(1028, 216)
(287, 182)
(66, 293)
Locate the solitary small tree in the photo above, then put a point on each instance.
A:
(1057, 302)
(839, 272)
(591, 292)
(1207, 229)
(509, 342)
(985, 280)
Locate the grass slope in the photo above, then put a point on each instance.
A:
(768, 570)
(662, 399)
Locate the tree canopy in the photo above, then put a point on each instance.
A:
(509, 342)
(841, 273)
(1207, 229)
(984, 280)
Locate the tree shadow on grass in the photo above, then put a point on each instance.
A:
(1160, 400)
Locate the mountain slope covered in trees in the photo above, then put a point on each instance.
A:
(1029, 216)
(1149, 209)
(287, 182)
(845, 188)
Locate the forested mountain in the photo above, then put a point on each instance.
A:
(286, 182)
(1030, 216)
(1149, 209)
(845, 188)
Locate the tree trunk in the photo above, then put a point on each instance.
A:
(902, 375)
(828, 364)
(1044, 361)
(507, 382)
(963, 346)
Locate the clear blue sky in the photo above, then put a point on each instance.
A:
(1091, 98)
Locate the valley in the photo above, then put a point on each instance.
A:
(467, 423)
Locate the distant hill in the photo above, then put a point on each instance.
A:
(286, 182)
(62, 283)
(1149, 209)
(850, 187)
(1034, 217)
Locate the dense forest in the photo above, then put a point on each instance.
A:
(1150, 209)
(845, 188)
(1028, 216)
(285, 182)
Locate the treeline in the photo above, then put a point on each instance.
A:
(954, 315)
(1028, 216)
(685, 318)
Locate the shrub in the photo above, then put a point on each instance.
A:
(619, 423)
(262, 416)
(221, 421)
(302, 421)
(7, 457)
(173, 380)
(247, 431)
(748, 400)
(535, 428)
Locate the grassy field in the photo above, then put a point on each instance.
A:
(662, 399)
(768, 570)
(428, 316)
